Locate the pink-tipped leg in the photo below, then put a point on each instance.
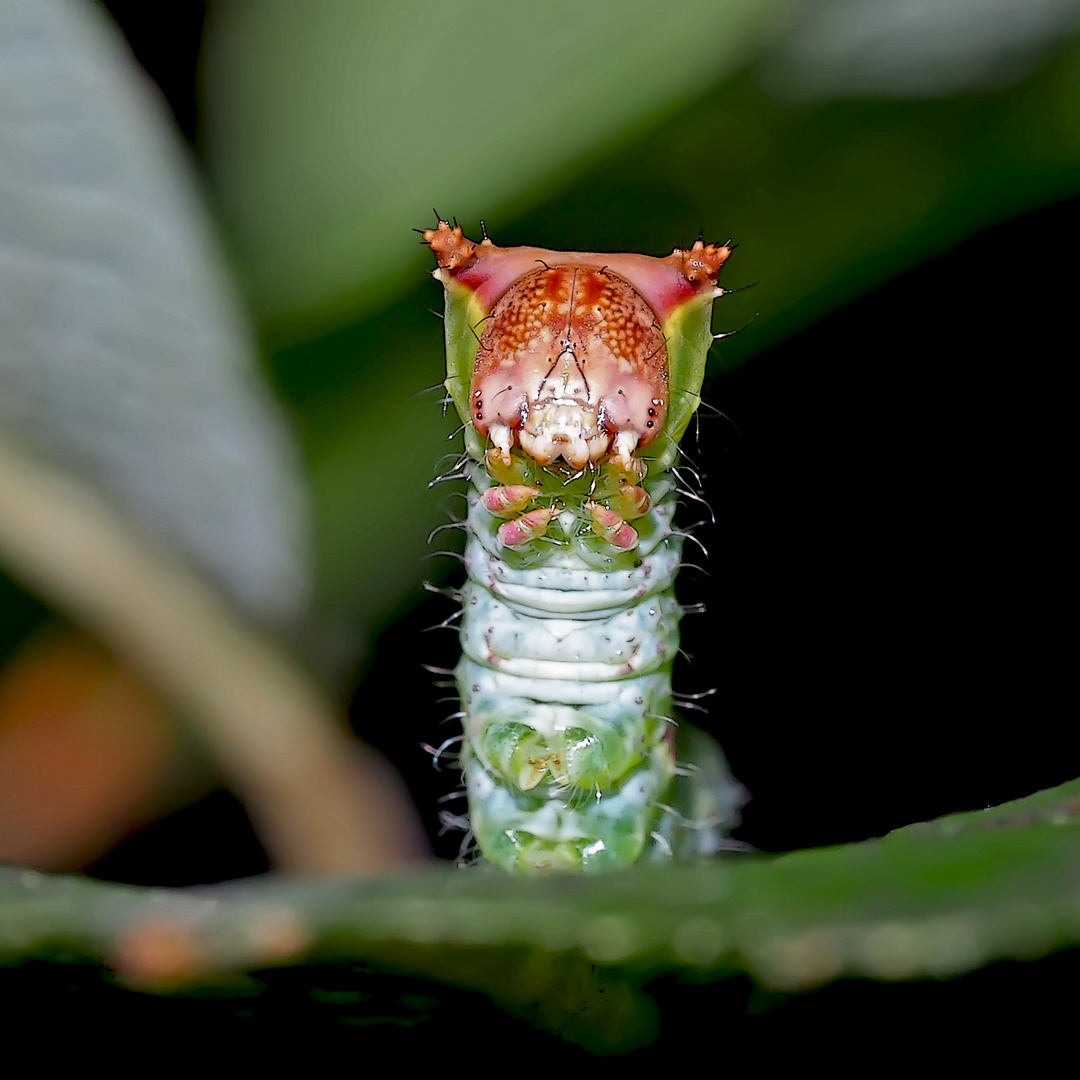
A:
(609, 526)
(630, 502)
(508, 500)
(530, 526)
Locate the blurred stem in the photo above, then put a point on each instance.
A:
(319, 801)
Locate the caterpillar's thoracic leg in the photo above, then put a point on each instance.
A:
(508, 500)
(609, 526)
(630, 502)
(528, 527)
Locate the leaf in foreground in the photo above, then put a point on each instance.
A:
(936, 899)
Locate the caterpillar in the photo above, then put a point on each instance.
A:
(575, 375)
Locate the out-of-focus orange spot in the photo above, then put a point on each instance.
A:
(158, 953)
(83, 750)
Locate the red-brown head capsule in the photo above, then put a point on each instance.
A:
(569, 357)
(574, 356)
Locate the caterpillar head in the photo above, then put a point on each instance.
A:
(575, 356)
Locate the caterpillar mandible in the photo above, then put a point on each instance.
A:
(575, 375)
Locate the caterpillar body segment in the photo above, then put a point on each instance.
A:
(566, 686)
(575, 375)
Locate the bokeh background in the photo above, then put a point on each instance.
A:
(884, 446)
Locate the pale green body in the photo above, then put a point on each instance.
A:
(563, 659)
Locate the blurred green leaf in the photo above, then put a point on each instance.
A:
(332, 129)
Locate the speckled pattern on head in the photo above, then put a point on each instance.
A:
(575, 374)
(572, 351)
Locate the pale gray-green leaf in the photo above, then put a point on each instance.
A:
(914, 48)
(124, 353)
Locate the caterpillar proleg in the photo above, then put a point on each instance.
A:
(575, 375)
